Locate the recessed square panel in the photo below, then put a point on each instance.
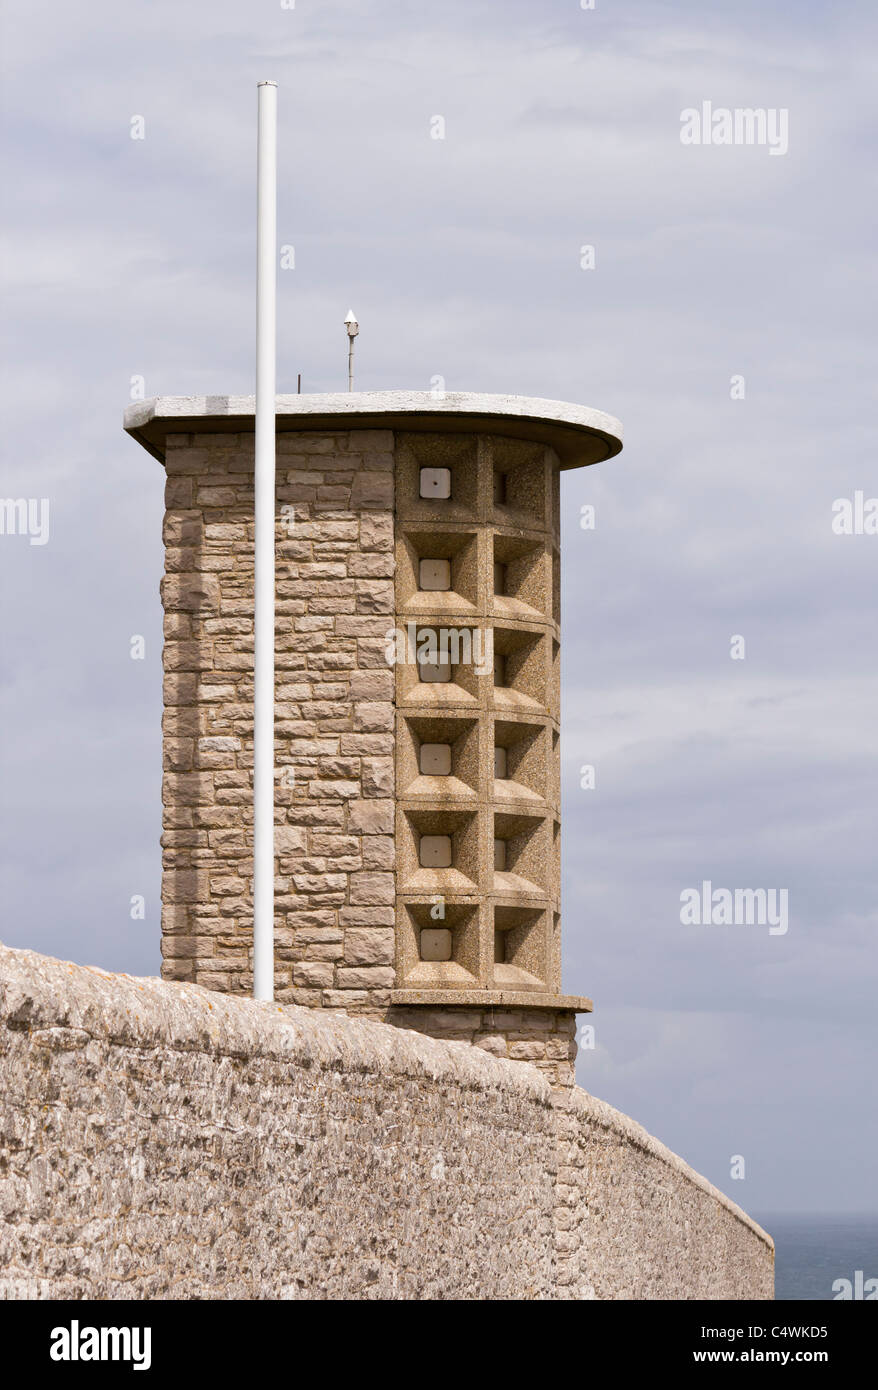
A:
(520, 947)
(438, 850)
(439, 953)
(435, 943)
(435, 575)
(499, 578)
(435, 852)
(435, 759)
(435, 482)
(500, 854)
(500, 762)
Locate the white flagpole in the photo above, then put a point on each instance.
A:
(263, 617)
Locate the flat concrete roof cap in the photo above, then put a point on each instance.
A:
(578, 434)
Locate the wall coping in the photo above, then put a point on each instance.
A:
(579, 434)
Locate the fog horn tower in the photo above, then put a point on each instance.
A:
(417, 760)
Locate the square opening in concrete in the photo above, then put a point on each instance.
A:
(522, 675)
(525, 489)
(436, 569)
(521, 959)
(521, 749)
(454, 855)
(437, 757)
(523, 864)
(526, 588)
(442, 665)
(441, 953)
(437, 478)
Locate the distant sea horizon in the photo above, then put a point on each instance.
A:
(814, 1250)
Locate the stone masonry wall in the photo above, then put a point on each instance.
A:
(334, 723)
(160, 1140)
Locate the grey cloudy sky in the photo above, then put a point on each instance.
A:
(461, 258)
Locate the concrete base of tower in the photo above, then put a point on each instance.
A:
(543, 1035)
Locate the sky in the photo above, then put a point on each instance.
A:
(719, 671)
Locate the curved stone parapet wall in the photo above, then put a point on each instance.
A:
(160, 1140)
(634, 1221)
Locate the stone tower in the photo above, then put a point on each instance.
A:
(418, 704)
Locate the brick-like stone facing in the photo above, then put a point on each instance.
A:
(334, 716)
(160, 1140)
